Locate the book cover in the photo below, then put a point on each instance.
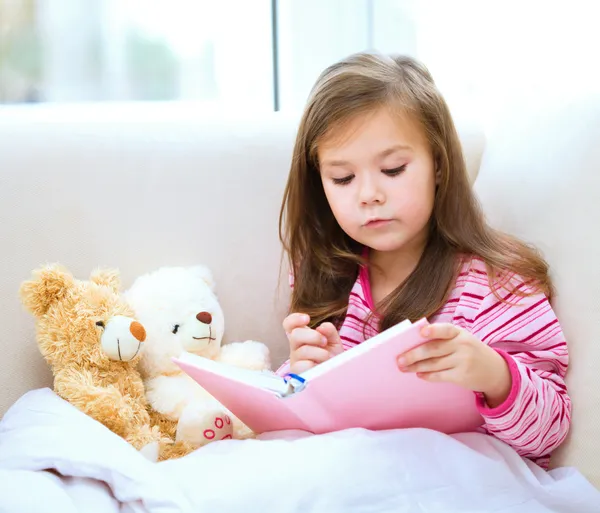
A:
(361, 387)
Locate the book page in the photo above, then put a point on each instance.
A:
(261, 379)
(355, 351)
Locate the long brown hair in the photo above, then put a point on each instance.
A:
(325, 261)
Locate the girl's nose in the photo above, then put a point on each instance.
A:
(370, 192)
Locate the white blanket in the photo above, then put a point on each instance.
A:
(416, 471)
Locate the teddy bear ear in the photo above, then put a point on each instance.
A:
(205, 274)
(107, 277)
(48, 284)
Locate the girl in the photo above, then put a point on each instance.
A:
(381, 225)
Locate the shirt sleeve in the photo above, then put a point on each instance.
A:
(535, 417)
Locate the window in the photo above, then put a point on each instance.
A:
(137, 50)
(266, 54)
(262, 54)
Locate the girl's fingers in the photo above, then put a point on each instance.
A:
(295, 320)
(311, 353)
(302, 336)
(443, 363)
(329, 331)
(301, 366)
(445, 376)
(433, 349)
(442, 330)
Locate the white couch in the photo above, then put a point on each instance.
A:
(141, 186)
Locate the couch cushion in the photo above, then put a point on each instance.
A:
(540, 180)
(138, 186)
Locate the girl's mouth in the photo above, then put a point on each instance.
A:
(377, 223)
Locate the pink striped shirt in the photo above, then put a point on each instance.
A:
(535, 417)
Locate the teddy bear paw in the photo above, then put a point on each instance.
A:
(199, 427)
(221, 429)
(151, 451)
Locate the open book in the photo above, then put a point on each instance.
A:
(362, 387)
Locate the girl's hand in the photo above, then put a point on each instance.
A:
(456, 356)
(309, 347)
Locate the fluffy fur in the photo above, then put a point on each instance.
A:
(88, 335)
(181, 312)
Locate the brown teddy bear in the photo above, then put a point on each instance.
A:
(88, 335)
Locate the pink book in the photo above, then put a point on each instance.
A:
(360, 388)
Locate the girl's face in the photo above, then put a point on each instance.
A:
(379, 179)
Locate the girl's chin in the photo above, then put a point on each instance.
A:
(383, 246)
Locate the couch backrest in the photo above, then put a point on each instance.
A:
(540, 180)
(142, 186)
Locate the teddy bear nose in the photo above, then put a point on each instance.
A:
(204, 317)
(138, 331)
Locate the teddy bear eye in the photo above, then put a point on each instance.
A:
(100, 323)
(175, 328)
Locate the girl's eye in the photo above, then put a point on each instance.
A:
(394, 172)
(343, 181)
(175, 328)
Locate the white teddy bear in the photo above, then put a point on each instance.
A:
(179, 308)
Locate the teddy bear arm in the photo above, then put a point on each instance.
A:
(103, 403)
(248, 354)
(136, 395)
(170, 395)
